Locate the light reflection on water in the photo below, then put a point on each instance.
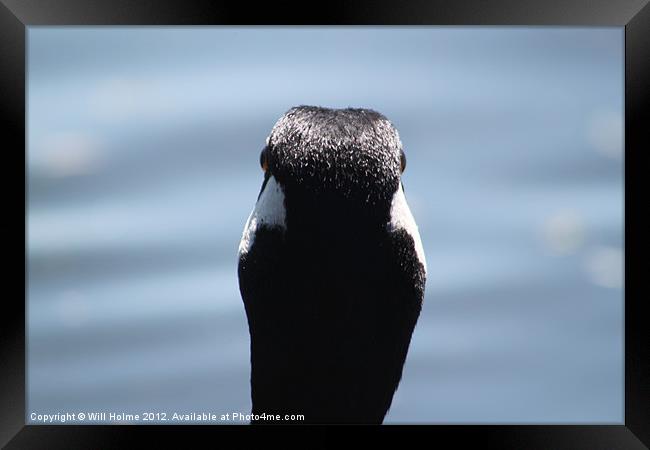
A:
(143, 147)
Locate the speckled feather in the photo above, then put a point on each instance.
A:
(353, 152)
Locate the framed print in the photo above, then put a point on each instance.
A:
(503, 142)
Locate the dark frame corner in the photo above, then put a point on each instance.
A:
(634, 15)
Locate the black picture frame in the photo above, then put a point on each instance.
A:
(634, 15)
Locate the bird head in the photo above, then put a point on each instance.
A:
(332, 176)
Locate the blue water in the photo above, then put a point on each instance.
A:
(143, 149)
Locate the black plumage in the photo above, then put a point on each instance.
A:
(333, 294)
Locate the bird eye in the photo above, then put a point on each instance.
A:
(402, 160)
(264, 159)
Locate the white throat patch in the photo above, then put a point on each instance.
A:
(401, 218)
(269, 211)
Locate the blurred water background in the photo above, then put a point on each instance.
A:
(143, 149)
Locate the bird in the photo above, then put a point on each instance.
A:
(331, 269)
